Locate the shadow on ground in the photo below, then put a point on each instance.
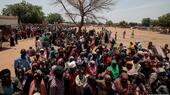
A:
(4, 48)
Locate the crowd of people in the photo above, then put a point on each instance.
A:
(64, 63)
(23, 33)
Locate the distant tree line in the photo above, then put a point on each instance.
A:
(163, 21)
(28, 13)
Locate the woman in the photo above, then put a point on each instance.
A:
(37, 85)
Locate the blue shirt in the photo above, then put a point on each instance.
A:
(22, 63)
(8, 90)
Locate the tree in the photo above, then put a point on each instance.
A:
(132, 24)
(83, 9)
(93, 22)
(146, 22)
(109, 23)
(164, 20)
(100, 23)
(26, 12)
(154, 22)
(123, 24)
(54, 17)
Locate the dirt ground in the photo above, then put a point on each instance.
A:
(8, 55)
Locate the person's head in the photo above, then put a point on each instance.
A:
(20, 74)
(140, 79)
(146, 54)
(129, 65)
(91, 81)
(34, 67)
(52, 48)
(37, 55)
(92, 63)
(161, 73)
(166, 45)
(136, 59)
(82, 54)
(124, 78)
(60, 62)
(71, 58)
(58, 71)
(108, 80)
(23, 53)
(81, 73)
(30, 47)
(168, 74)
(37, 38)
(131, 43)
(114, 63)
(121, 44)
(5, 76)
(38, 75)
(42, 51)
(72, 67)
(152, 57)
(150, 43)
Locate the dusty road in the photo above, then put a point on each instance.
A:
(8, 56)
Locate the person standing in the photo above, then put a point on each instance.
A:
(37, 85)
(56, 83)
(114, 69)
(123, 85)
(133, 34)
(23, 61)
(16, 36)
(124, 34)
(166, 51)
(8, 85)
(116, 36)
(113, 42)
(12, 40)
(81, 81)
(106, 86)
(38, 43)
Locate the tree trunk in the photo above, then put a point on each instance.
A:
(81, 25)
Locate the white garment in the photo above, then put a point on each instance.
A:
(81, 82)
(134, 70)
(39, 44)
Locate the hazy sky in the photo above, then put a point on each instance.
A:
(128, 10)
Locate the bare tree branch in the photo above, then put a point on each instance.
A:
(61, 2)
(85, 9)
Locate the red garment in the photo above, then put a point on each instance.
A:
(92, 45)
(122, 90)
(43, 90)
(72, 84)
(108, 61)
(105, 60)
(91, 70)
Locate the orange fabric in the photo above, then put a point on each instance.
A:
(43, 90)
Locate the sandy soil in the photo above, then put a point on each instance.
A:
(8, 56)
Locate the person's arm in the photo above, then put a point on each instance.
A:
(1, 88)
(137, 91)
(168, 51)
(119, 87)
(18, 89)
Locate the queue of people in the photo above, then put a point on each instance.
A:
(65, 63)
(24, 33)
